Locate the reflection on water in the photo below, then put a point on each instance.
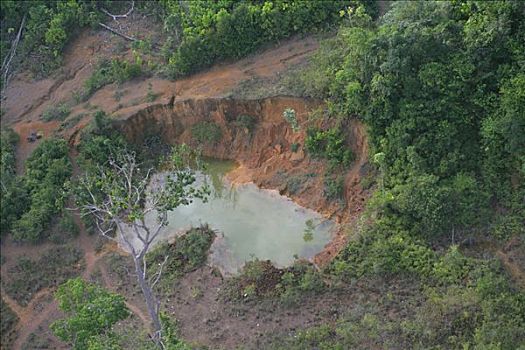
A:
(251, 222)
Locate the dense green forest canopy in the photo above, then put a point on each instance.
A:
(440, 86)
(198, 33)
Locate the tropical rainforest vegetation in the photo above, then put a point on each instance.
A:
(440, 86)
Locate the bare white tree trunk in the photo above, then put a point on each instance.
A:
(11, 55)
(119, 197)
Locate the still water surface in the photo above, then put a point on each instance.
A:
(251, 223)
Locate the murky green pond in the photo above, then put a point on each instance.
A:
(251, 223)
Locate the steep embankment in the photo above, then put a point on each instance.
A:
(271, 154)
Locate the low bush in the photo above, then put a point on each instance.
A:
(64, 230)
(206, 132)
(257, 279)
(187, 253)
(71, 122)
(260, 279)
(58, 112)
(91, 311)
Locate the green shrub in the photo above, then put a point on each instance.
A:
(90, 310)
(71, 122)
(294, 147)
(47, 171)
(206, 132)
(64, 230)
(329, 144)
(58, 112)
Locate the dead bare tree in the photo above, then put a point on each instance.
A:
(114, 31)
(125, 15)
(115, 17)
(119, 196)
(12, 52)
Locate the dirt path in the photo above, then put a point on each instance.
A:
(29, 317)
(26, 100)
(134, 308)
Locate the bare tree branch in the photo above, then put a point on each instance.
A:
(120, 16)
(114, 31)
(158, 274)
(12, 53)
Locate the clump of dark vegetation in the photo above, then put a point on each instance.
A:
(29, 202)
(206, 132)
(8, 323)
(29, 276)
(9, 189)
(248, 123)
(187, 253)
(260, 279)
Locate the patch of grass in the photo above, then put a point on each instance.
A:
(29, 276)
(206, 132)
(8, 322)
(58, 112)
